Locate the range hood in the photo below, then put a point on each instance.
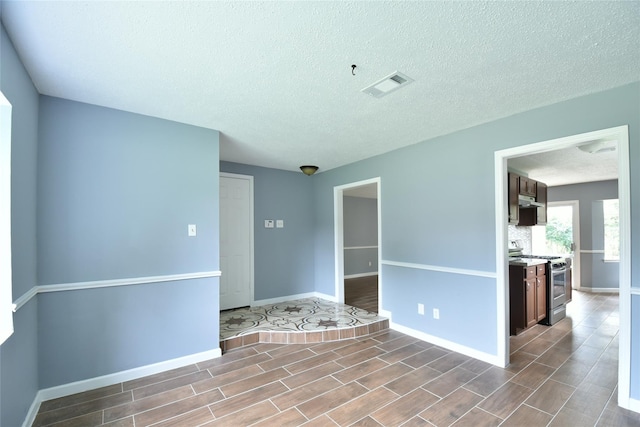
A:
(529, 202)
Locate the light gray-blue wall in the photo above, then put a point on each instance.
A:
(437, 203)
(89, 333)
(360, 225)
(594, 273)
(283, 257)
(116, 192)
(19, 354)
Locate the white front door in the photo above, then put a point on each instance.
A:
(236, 240)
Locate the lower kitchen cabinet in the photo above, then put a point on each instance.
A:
(527, 296)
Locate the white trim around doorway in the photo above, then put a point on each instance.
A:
(621, 135)
(338, 221)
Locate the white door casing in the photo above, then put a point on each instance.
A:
(338, 216)
(621, 135)
(236, 240)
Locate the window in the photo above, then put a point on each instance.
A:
(6, 304)
(611, 230)
(556, 237)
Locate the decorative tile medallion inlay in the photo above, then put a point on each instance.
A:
(297, 317)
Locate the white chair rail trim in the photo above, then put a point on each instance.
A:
(108, 284)
(451, 270)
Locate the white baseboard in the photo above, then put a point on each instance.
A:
(293, 297)
(601, 290)
(449, 345)
(331, 298)
(115, 378)
(358, 275)
(629, 403)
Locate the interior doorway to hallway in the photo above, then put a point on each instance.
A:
(357, 244)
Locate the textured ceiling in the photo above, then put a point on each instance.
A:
(275, 77)
(568, 166)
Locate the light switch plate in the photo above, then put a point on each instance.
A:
(279, 223)
(191, 230)
(268, 223)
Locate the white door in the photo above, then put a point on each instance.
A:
(236, 240)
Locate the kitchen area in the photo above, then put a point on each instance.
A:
(539, 284)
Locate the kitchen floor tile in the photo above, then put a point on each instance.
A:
(551, 396)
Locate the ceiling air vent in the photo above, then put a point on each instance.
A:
(383, 87)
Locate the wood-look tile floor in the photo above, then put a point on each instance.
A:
(362, 292)
(565, 375)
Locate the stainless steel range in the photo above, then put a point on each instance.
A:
(558, 273)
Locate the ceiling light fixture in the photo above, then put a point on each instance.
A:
(308, 169)
(598, 146)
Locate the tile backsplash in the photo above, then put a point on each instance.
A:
(523, 235)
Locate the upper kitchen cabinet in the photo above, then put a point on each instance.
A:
(535, 215)
(527, 213)
(528, 186)
(514, 191)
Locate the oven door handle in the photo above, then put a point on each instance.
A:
(561, 270)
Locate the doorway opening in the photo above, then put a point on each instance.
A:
(357, 244)
(621, 136)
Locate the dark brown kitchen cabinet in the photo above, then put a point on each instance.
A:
(513, 192)
(541, 296)
(527, 296)
(538, 215)
(528, 186)
(531, 306)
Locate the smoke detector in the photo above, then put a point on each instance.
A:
(390, 83)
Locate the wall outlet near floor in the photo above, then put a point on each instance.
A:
(436, 313)
(421, 309)
(369, 263)
(268, 223)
